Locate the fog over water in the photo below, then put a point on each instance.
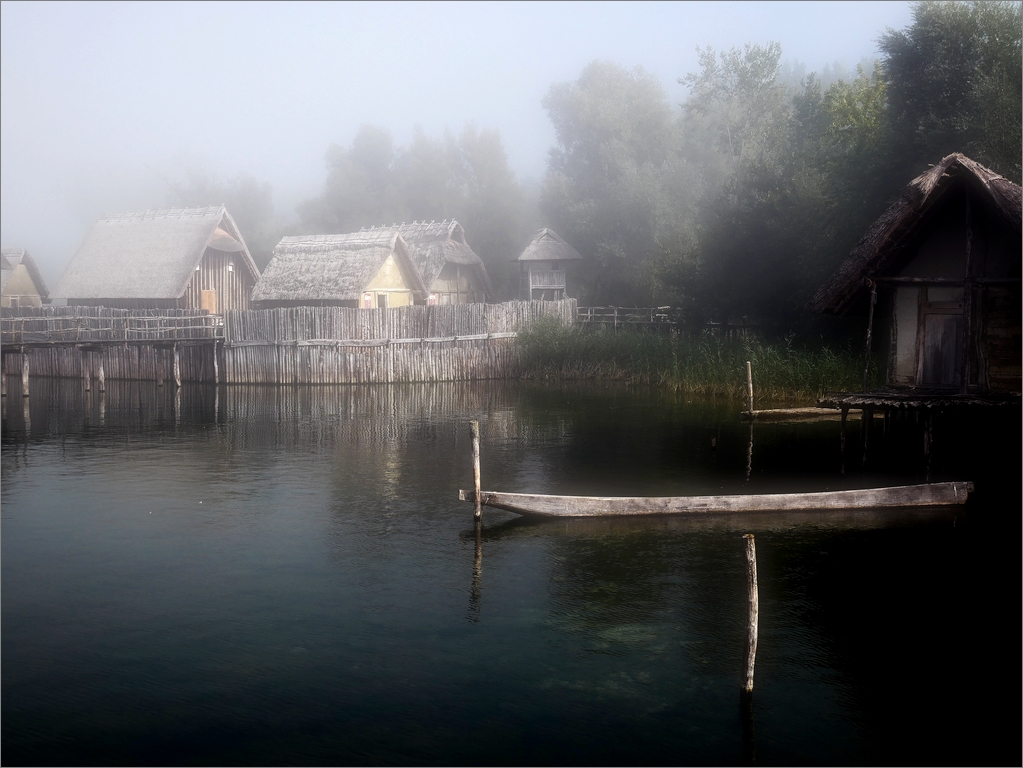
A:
(103, 103)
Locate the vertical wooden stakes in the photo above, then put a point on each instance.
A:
(177, 367)
(753, 615)
(474, 428)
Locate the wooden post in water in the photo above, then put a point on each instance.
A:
(845, 416)
(3, 381)
(100, 377)
(24, 373)
(177, 367)
(86, 378)
(474, 428)
(753, 615)
(749, 388)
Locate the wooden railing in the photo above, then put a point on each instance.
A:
(547, 279)
(55, 325)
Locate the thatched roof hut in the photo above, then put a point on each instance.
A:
(548, 245)
(892, 241)
(175, 258)
(451, 271)
(371, 267)
(20, 281)
(543, 265)
(942, 264)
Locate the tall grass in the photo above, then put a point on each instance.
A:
(704, 364)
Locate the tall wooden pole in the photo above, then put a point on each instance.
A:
(749, 388)
(177, 367)
(474, 428)
(753, 614)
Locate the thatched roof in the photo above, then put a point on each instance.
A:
(433, 244)
(149, 254)
(10, 258)
(547, 245)
(331, 267)
(883, 249)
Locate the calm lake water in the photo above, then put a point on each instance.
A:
(285, 576)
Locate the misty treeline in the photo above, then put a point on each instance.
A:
(737, 202)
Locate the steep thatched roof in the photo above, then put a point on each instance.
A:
(149, 254)
(331, 267)
(434, 244)
(547, 245)
(10, 258)
(883, 247)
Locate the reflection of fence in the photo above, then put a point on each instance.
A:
(54, 325)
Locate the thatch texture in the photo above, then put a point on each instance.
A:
(149, 254)
(883, 250)
(433, 244)
(332, 267)
(547, 245)
(10, 258)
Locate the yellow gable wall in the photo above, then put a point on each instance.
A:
(392, 280)
(20, 284)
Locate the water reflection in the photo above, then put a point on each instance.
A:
(280, 562)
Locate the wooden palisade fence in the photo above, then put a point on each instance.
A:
(295, 345)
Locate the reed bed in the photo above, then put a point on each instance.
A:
(703, 364)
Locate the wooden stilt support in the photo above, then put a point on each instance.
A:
(3, 380)
(216, 364)
(100, 376)
(177, 367)
(86, 378)
(24, 373)
(753, 614)
(928, 443)
(474, 428)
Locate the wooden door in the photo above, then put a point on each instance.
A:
(941, 349)
(209, 301)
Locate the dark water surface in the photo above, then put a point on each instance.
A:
(285, 576)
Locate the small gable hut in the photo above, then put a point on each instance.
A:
(364, 269)
(182, 258)
(941, 270)
(543, 266)
(21, 285)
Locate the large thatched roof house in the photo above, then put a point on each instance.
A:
(362, 269)
(189, 258)
(451, 271)
(942, 266)
(21, 285)
(543, 266)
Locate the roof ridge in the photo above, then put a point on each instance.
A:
(162, 213)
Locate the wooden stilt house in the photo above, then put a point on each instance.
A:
(364, 269)
(938, 279)
(21, 285)
(543, 267)
(451, 271)
(187, 258)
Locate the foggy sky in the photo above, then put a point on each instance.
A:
(99, 101)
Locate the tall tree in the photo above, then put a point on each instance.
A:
(611, 185)
(955, 83)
